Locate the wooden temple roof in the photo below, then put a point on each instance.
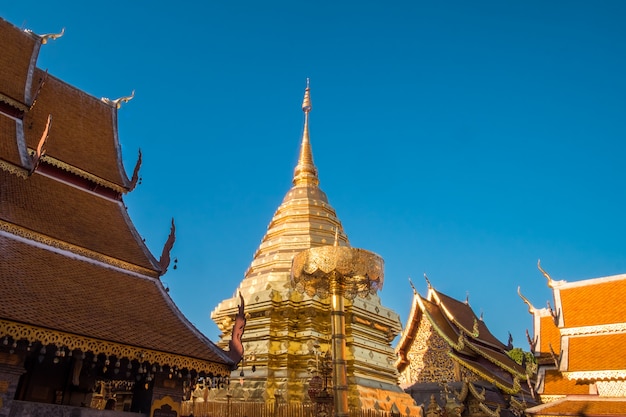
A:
(471, 343)
(74, 218)
(89, 301)
(83, 137)
(74, 271)
(17, 60)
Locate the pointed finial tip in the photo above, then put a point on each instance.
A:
(306, 102)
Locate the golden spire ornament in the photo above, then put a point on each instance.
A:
(306, 172)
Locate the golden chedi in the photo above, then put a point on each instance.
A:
(286, 329)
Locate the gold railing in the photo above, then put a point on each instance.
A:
(258, 409)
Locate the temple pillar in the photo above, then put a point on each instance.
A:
(11, 369)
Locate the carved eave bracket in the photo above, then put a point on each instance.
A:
(41, 147)
(555, 358)
(532, 342)
(135, 178)
(235, 345)
(71, 342)
(164, 261)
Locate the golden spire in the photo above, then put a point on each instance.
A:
(305, 172)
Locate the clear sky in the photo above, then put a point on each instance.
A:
(462, 139)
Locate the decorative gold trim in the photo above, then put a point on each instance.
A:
(545, 399)
(13, 169)
(474, 332)
(600, 329)
(595, 375)
(514, 389)
(49, 241)
(489, 411)
(81, 173)
(478, 395)
(13, 102)
(19, 331)
(497, 362)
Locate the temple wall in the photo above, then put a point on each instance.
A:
(428, 359)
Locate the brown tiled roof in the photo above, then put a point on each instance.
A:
(9, 150)
(498, 357)
(588, 406)
(83, 132)
(19, 53)
(51, 290)
(549, 335)
(594, 304)
(486, 370)
(597, 352)
(556, 384)
(72, 215)
(465, 316)
(440, 321)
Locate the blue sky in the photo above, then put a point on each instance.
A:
(461, 139)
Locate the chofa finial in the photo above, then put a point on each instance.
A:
(117, 103)
(551, 283)
(427, 280)
(47, 36)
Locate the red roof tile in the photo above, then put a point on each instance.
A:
(51, 290)
(83, 132)
(72, 215)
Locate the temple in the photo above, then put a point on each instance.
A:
(452, 365)
(287, 331)
(579, 345)
(85, 321)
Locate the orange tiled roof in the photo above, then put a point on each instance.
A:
(594, 303)
(72, 215)
(19, 53)
(556, 384)
(597, 352)
(51, 290)
(549, 335)
(589, 406)
(83, 132)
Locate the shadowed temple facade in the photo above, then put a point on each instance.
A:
(452, 365)
(287, 330)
